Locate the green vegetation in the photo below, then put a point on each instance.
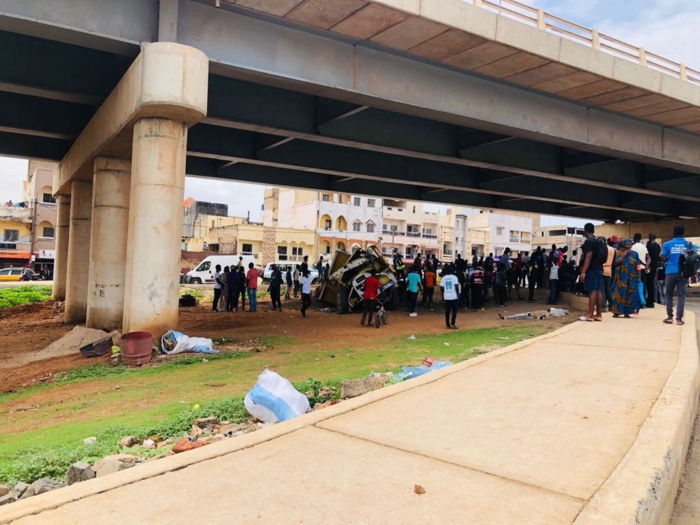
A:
(43, 427)
(194, 293)
(24, 295)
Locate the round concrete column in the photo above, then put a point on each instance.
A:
(78, 251)
(60, 263)
(110, 225)
(155, 225)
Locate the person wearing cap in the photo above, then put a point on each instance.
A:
(607, 269)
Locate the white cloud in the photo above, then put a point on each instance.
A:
(12, 173)
(240, 197)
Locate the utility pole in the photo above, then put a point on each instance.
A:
(32, 234)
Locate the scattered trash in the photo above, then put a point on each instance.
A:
(503, 338)
(411, 337)
(149, 443)
(274, 398)
(418, 489)
(97, 348)
(446, 344)
(409, 372)
(90, 441)
(174, 342)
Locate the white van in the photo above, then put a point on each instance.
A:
(204, 272)
(283, 265)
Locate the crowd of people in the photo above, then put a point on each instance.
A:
(620, 276)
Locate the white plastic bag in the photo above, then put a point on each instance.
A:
(174, 342)
(274, 398)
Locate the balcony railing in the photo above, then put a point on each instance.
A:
(430, 236)
(412, 234)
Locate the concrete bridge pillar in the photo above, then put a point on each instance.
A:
(61, 257)
(158, 160)
(108, 243)
(78, 251)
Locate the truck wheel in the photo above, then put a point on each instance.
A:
(196, 281)
(342, 300)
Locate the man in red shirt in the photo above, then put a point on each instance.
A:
(252, 276)
(369, 297)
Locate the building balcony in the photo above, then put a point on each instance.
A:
(430, 236)
(412, 234)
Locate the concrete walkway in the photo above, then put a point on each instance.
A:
(587, 425)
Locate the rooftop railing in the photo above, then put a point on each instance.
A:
(589, 37)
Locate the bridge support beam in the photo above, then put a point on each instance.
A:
(138, 229)
(78, 251)
(108, 242)
(155, 225)
(61, 257)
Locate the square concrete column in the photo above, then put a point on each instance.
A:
(151, 296)
(78, 251)
(60, 264)
(108, 241)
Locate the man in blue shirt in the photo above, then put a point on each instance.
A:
(671, 253)
(414, 285)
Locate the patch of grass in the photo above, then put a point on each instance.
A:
(102, 370)
(31, 463)
(24, 295)
(194, 293)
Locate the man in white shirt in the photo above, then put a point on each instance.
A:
(450, 295)
(640, 248)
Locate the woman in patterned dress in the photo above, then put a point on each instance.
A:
(625, 281)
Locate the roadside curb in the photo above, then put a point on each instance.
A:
(78, 491)
(642, 489)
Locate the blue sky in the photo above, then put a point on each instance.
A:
(666, 27)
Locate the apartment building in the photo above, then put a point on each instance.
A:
(409, 229)
(561, 235)
(491, 232)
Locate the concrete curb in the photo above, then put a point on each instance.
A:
(78, 491)
(642, 489)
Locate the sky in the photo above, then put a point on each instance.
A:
(665, 27)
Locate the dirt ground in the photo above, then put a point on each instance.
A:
(31, 328)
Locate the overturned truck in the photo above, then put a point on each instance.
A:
(346, 279)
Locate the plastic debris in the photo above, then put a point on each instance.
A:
(274, 398)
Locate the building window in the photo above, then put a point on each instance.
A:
(48, 232)
(47, 197)
(370, 227)
(281, 253)
(557, 233)
(11, 236)
(298, 251)
(212, 223)
(499, 230)
(328, 224)
(247, 249)
(414, 209)
(356, 226)
(356, 201)
(370, 203)
(325, 197)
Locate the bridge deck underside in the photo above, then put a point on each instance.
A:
(256, 132)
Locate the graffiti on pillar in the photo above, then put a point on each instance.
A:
(101, 290)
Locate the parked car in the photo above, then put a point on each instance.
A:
(204, 272)
(11, 274)
(283, 265)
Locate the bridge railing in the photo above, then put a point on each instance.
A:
(589, 37)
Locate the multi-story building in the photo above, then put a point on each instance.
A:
(453, 235)
(409, 229)
(339, 221)
(490, 232)
(561, 235)
(29, 227)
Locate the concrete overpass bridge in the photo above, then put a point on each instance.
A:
(437, 100)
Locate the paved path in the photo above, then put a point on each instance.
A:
(525, 435)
